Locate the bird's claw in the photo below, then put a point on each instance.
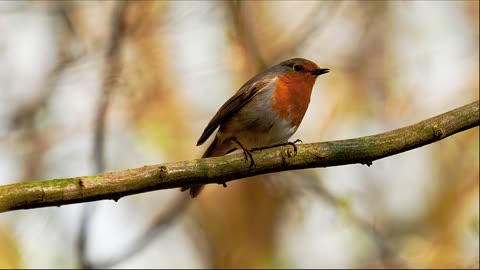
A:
(246, 152)
(297, 141)
(248, 155)
(293, 144)
(252, 163)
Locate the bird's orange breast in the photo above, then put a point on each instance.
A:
(291, 97)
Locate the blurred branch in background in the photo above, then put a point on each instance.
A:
(161, 223)
(286, 46)
(387, 257)
(25, 116)
(112, 68)
(245, 35)
(311, 26)
(136, 22)
(115, 185)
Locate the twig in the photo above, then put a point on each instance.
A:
(115, 185)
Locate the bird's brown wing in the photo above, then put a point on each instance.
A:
(237, 101)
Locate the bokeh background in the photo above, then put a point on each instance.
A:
(88, 87)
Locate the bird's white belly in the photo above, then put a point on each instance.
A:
(258, 125)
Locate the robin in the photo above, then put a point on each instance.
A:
(265, 111)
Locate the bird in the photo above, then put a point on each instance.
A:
(266, 111)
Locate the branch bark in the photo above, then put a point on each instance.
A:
(114, 185)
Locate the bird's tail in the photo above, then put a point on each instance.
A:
(215, 149)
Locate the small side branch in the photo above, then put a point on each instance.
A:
(114, 185)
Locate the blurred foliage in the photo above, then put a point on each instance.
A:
(393, 63)
(10, 254)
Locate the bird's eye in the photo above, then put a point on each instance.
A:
(297, 67)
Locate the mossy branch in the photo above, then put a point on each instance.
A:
(114, 185)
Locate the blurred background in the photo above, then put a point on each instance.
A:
(89, 87)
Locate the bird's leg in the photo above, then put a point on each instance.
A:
(293, 144)
(246, 152)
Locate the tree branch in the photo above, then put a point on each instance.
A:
(115, 185)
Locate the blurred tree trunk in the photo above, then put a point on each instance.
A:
(239, 223)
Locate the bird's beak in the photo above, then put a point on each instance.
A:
(320, 71)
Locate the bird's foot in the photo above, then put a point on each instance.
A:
(293, 144)
(246, 152)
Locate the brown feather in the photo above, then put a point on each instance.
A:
(235, 103)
